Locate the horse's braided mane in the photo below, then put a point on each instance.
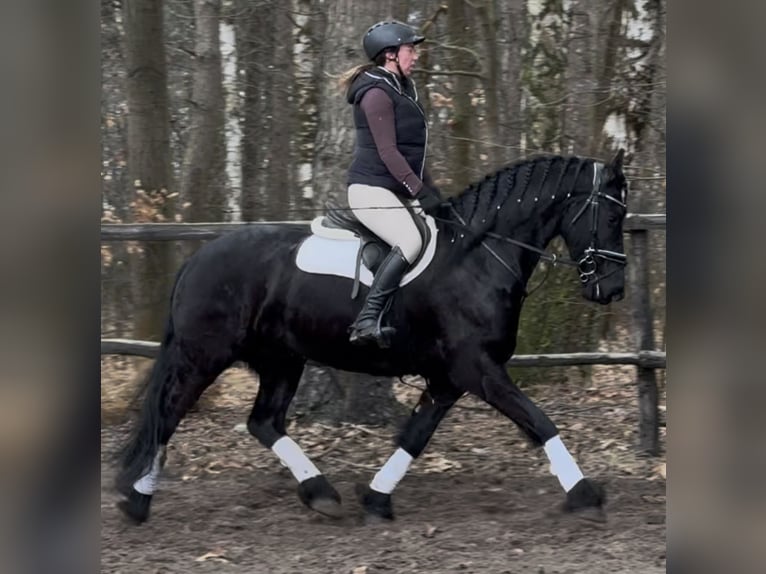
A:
(483, 199)
(481, 202)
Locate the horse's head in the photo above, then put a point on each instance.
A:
(592, 228)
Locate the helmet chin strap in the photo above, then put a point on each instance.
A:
(398, 67)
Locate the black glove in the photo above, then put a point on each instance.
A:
(430, 199)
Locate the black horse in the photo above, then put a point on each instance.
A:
(242, 298)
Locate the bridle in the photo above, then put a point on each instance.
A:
(587, 265)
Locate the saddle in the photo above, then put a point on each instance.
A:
(372, 249)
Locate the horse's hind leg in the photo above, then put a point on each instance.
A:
(175, 384)
(434, 403)
(278, 380)
(488, 380)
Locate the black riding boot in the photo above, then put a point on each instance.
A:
(366, 328)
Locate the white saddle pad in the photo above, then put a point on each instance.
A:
(325, 256)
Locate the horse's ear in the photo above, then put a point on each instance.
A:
(616, 163)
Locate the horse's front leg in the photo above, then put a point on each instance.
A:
(434, 403)
(279, 377)
(480, 375)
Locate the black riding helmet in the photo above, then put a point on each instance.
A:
(388, 34)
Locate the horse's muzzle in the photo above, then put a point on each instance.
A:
(603, 293)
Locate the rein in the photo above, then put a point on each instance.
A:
(551, 257)
(586, 265)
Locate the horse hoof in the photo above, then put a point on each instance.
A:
(327, 507)
(136, 507)
(585, 494)
(319, 495)
(376, 504)
(593, 514)
(586, 502)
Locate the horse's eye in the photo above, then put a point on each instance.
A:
(614, 216)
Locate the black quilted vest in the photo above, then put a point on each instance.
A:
(411, 131)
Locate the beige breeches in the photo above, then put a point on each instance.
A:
(384, 213)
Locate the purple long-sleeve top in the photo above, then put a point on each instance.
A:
(379, 111)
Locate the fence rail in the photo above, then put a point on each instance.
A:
(644, 359)
(183, 231)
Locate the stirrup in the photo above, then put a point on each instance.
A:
(381, 335)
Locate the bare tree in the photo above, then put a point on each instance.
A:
(342, 25)
(400, 9)
(580, 77)
(609, 41)
(250, 24)
(203, 179)
(280, 114)
(461, 36)
(511, 38)
(113, 134)
(646, 120)
(149, 165)
(336, 395)
(306, 60)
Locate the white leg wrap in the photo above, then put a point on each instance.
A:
(147, 484)
(562, 464)
(292, 456)
(392, 472)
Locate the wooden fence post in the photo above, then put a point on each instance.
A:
(648, 395)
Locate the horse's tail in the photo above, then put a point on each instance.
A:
(137, 456)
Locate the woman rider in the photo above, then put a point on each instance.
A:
(388, 169)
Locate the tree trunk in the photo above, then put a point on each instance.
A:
(337, 31)
(251, 52)
(648, 258)
(333, 396)
(149, 165)
(489, 23)
(460, 34)
(400, 9)
(512, 39)
(306, 56)
(340, 31)
(543, 74)
(113, 136)
(580, 78)
(555, 319)
(609, 41)
(279, 119)
(203, 180)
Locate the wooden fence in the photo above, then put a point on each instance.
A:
(646, 358)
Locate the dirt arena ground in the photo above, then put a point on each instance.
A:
(478, 501)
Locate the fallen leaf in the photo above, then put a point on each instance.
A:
(359, 570)
(213, 555)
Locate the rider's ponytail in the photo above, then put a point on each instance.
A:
(347, 78)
